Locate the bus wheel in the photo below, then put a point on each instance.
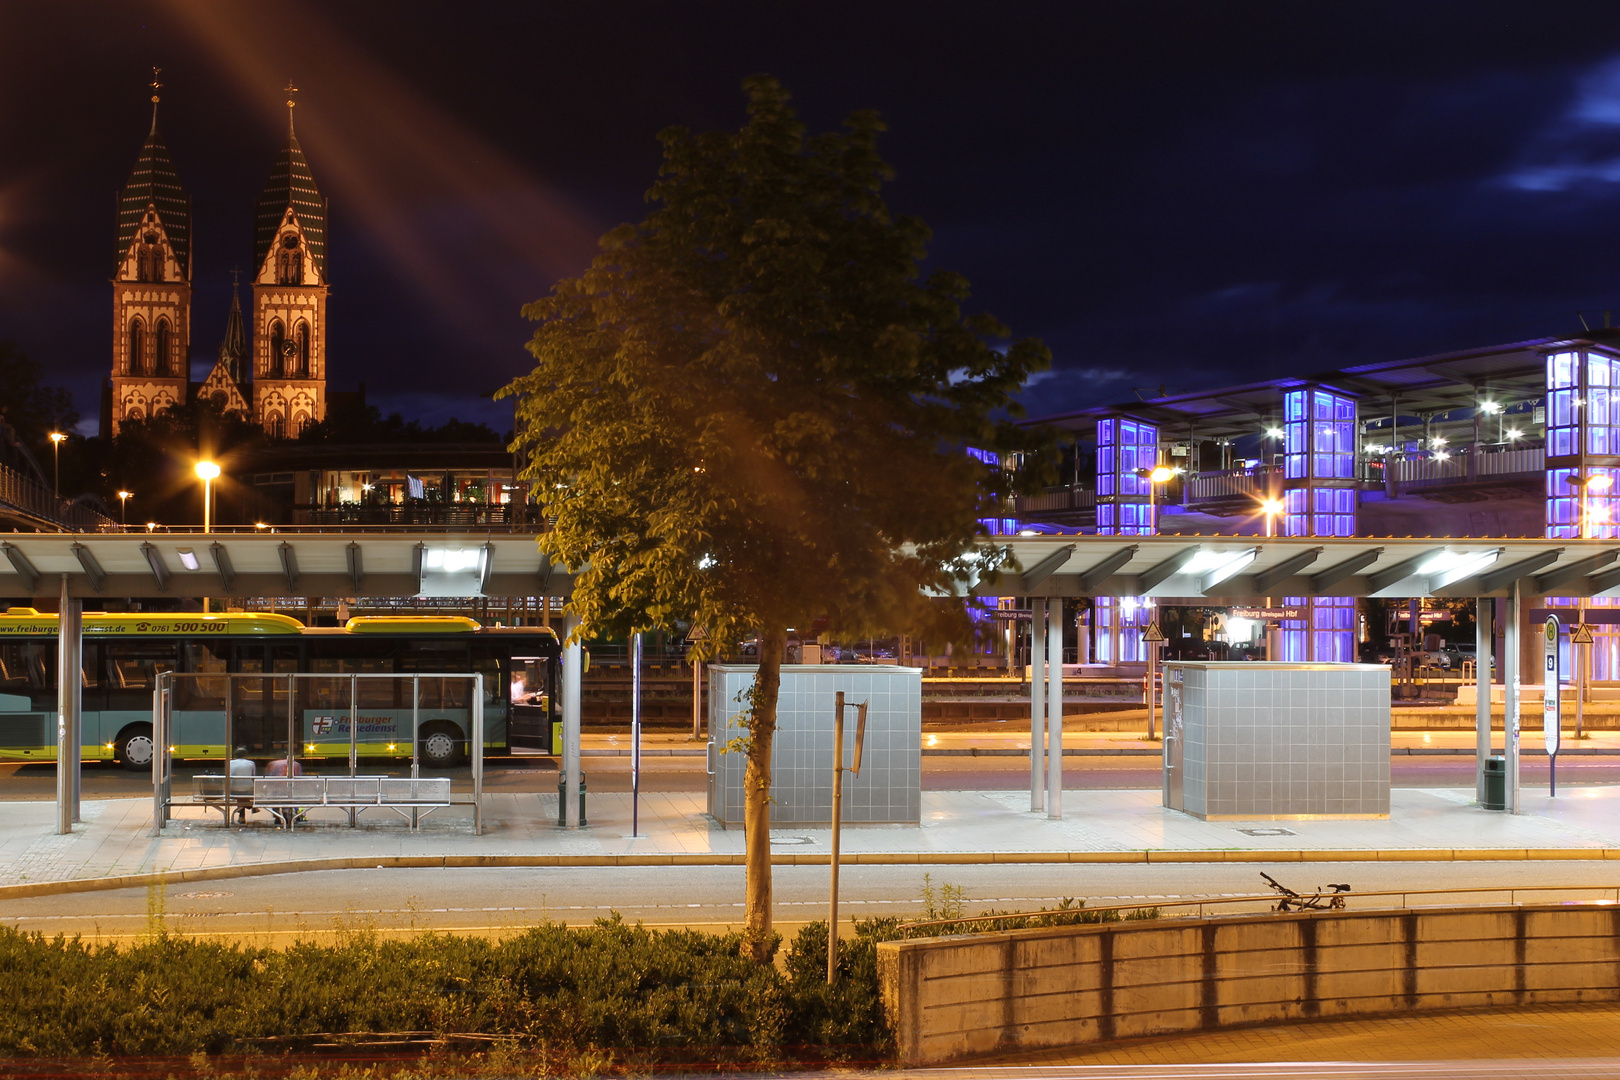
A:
(134, 747)
(441, 745)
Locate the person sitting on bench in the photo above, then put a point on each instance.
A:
(278, 767)
(241, 765)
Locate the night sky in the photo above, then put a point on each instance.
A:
(1167, 194)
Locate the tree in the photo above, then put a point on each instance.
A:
(751, 412)
(33, 410)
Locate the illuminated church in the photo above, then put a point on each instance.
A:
(272, 360)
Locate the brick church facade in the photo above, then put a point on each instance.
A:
(272, 363)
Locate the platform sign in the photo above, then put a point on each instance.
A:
(1549, 682)
(1153, 633)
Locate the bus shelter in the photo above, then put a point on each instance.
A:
(355, 718)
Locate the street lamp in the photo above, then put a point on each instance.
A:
(1271, 508)
(123, 507)
(1600, 482)
(1154, 476)
(208, 472)
(56, 453)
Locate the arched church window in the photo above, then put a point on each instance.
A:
(290, 262)
(278, 349)
(276, 427)
(160, 355)
(301, 367)
(137, 348)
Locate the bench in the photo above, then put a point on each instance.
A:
(290, 798)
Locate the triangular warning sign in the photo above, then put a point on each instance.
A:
(1582, 635)
(1153, 633)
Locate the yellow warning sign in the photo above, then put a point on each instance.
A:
(1153, 633)
(1581, 635)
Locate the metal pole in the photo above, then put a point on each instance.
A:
(478, 754)
(292, 733)
(1037, 704)
(635, 733)
(354, 737)
(158, 801)
(74, 615)
(1510, 694)
(1054, 708)
(573, 669)
(416, 736)
(67, 703)
(1152, 695)
(837, 821)
(697, 698)
(1484, 639)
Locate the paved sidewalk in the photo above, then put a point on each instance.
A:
(1008, 741)
(114, 845)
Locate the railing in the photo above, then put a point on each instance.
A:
(1069, 497)
(1455, 467)
(37, 501)
(1256, 483)
(1600, 894)
(419, 514)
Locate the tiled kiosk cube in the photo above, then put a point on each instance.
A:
(1276, 741)
(889, 789)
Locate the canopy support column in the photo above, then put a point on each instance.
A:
(573, 670)
(1037, 704)
(1054, 708)
(1484, 608)
(1510, 697)
(69, 715)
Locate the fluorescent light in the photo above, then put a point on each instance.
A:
(451, 560)
(188, 558)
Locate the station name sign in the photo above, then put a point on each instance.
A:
(1267, 613)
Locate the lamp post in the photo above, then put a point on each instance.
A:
(57, 439)
(208, 471)
(123, 507)
(1155, 476)
(1271, 508)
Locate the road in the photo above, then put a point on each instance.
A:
(283, 906)
(940, 773)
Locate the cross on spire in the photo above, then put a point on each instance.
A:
(291, 101)
(156, 83)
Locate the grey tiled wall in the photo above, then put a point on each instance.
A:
(1278, 740)
(889, 788)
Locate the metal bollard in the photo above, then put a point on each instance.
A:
(562, 799)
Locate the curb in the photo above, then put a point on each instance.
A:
(871, 858)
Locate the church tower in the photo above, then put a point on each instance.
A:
(289, 296)
(151, 285)
(224, 386)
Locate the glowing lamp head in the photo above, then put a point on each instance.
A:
(207, 470)
(1161, 474)
(1599, 482)
(57, 437)
(1274, 433)
(1490, 406)
(125, 494)
(1272, 506)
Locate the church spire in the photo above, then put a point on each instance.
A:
(233, 347)
(291, 187)
(153, 182)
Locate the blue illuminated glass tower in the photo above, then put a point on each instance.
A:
(1319, 499)
(1583, 470)
(1125, 507)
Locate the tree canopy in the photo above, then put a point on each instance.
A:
(752, 411)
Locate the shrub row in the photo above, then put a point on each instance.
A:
(659, 995)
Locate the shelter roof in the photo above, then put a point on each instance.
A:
(1425, 384)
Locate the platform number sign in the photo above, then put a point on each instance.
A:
(1549, 683)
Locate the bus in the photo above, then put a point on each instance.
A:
(124, 654)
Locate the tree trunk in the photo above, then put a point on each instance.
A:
(757, 792)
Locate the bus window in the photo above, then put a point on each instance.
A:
(528, 686)
(494, 693)
(205, 659)
(136, 667)
(29, 670)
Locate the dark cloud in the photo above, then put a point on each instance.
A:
(1171, 194)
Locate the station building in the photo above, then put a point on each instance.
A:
(1514, 440)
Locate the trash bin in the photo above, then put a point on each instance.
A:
(562, 799)
(1495, 784)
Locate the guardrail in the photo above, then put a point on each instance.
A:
(1203, 906)
(1069, 497)
(35, 500)
(1256, 483)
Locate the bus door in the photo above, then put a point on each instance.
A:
(260, 705)
(129, 674)
(531, 695)
(199, 699)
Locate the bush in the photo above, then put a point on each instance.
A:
(647, 995)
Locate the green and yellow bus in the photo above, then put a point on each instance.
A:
(124, 653)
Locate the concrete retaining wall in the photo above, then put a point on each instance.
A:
(949, 998)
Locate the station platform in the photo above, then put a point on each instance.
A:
(114, 848)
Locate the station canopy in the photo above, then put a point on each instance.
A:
(1411, 387)
(358, 563)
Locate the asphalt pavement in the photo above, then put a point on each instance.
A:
(278, 908)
